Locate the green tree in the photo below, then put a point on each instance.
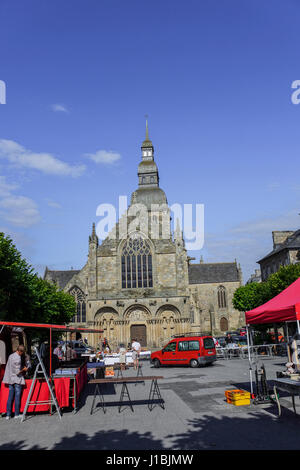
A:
(254, 294)
(26, 297)
(250, 296)
(280, 280)
(16, 278)
(50, 304)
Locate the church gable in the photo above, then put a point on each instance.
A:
(138, 281)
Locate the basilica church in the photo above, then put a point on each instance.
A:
(144, 286)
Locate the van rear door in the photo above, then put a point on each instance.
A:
(209, 348)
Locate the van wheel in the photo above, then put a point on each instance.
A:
(194, 363)
(156, 363)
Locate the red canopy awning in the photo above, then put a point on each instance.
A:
(284, 307)
(50, 326)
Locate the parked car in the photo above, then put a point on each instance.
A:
(240, 340)
(81, 348)
(186, 350)
(233, 333)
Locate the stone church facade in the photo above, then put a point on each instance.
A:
(141, 283)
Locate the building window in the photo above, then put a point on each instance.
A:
(136, 261)
(79, 296)
(222, 297)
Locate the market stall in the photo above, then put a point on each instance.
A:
(283, 308)
(68, 379)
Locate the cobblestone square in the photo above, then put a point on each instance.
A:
(196, 416)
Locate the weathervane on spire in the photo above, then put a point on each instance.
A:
(147, 132)
(147, 142)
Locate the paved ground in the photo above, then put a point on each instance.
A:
(196, 416)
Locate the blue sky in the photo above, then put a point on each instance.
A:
(214, 77)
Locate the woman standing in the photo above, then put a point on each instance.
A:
(16, 367)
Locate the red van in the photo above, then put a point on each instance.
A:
(188, 350)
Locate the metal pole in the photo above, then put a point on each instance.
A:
(249, 357)
(50, 369)
(50, 363)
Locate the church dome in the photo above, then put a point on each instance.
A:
(148, 196)
(147, 166)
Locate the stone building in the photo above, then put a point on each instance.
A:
(255, 277)
(286, 250)
(139, 282)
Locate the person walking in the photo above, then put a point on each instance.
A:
(122, 357)
(17, 365)
(59, 352)
(228, 339)
(105, 345)
(136, 349)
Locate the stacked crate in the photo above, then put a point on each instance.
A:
(237, 397)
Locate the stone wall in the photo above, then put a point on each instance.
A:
(204, 298)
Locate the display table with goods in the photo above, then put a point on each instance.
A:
(114, 358)
(49, 385)
(96, 369)
(69, 381)
(40, 394)
(289, 385)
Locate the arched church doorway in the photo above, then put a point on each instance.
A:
(224, 324)
(140, 333)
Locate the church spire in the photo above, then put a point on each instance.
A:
(147, 171)
(147, 142)
(93, 238)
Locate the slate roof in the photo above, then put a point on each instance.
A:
(213, 272)
(291, 243)
(60, 277)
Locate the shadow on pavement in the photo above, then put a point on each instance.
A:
(254, 432)
(102, 440)
(251, 432)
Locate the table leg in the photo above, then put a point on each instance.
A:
(75, 396)
(277, 401)
(139, 374)
(125, 393)
(155, 392)
(102, 403)
(293, 400)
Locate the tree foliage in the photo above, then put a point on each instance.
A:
(24, 296)
(254, 294)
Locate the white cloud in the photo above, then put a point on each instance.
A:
(288, 221)
(6, 188)
(44, 162)
(54, 204)
(59, 108)
(103, 156)
(20, 211)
